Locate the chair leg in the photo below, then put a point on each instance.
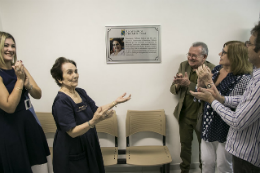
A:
(164, 168)
(167, 168)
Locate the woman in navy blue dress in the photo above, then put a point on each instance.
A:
(23, 146)
(76, 147)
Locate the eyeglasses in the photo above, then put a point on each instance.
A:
(247, 44)
(192, 55)
(116, 44)
(223, 52)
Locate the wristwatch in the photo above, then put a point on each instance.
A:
(209, 85)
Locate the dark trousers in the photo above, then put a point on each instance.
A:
(242, 166)
(186, 128)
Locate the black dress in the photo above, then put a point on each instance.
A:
(81, 154)
(22, 141)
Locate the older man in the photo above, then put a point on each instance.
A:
(243, 140)
(187, 110)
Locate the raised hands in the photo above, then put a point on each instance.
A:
(200, 83)
(204, 74)
(122, 99)
(102, 113)
(208, 95)
(98, 116)
(19, 70)
(105, 111)
(181, 80)
(203, 94)
(22, 73)
(215, 93)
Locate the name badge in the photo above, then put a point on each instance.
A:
(27, 104)
(81, 108)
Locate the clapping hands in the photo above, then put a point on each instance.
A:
(204, 74)
(19, 70)
(181, 80)
(208, 95)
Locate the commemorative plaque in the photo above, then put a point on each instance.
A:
(133, 44)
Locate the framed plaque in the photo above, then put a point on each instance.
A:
(133, 44)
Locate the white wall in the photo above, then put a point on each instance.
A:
(47, 29)
(1, 28)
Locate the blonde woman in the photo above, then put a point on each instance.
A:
(23, 146)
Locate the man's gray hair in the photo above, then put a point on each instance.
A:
(204, 50)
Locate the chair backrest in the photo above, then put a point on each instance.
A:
(108, 126)
(47, 122)
(140, 121)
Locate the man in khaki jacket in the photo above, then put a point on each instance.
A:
(187, 110)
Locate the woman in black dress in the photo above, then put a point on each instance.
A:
(76, 147)
(23, 146)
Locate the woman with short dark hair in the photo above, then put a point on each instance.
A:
(76, 146)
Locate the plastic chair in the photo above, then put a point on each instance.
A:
(48, 124)
(151, 121)
(109, 126)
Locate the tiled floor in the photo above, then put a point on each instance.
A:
(173, 171)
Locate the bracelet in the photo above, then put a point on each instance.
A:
(90, 125)
(19, 88)
(114, 103)
(29, 88)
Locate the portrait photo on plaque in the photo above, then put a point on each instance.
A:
(117, 47)
(133, 44)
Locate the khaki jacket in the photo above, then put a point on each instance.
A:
(185, 67)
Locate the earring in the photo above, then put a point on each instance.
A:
(60, 81)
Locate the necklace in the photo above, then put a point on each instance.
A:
(74, 96)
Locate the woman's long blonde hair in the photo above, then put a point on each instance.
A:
(3, 37)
